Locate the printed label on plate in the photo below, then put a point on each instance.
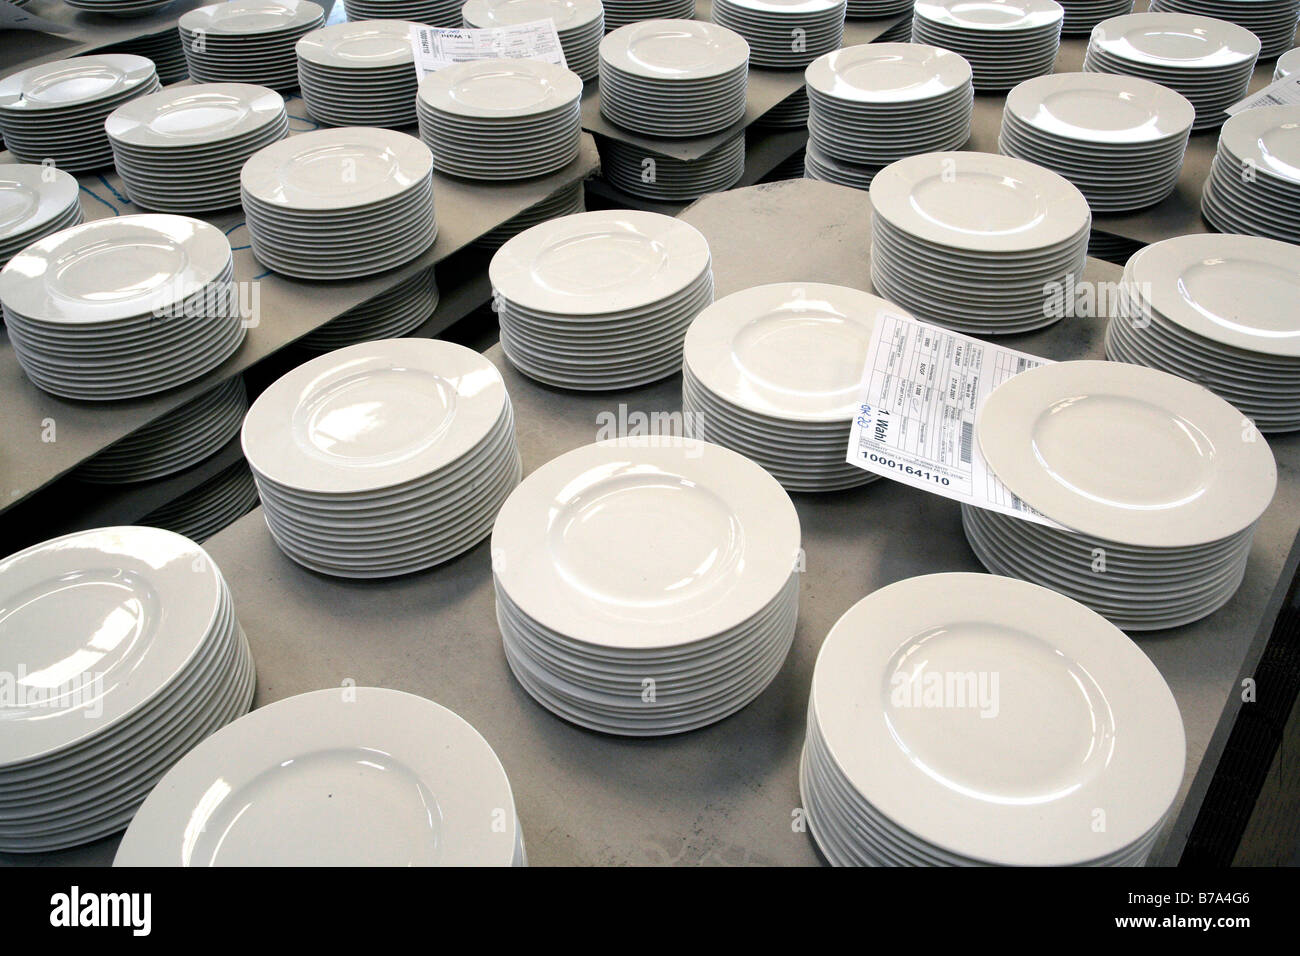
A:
(437, 48)
(1284, 92)
(921, 392)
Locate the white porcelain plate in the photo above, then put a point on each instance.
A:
(252, 18)
(1178, 41)
(359, 45)
(75, 82)
(674, 50)
(1101, 108)
(888, 73)
(182, 116)
(32, 196)
(500, 89)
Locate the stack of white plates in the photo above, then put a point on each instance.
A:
(1254, 184)
(900, 32)
(1082, 15)
(600, 300)
(501, 119)
(673, 77)
(666, 179)
(181, 149)
(1221, 311)
(1273, 21)
(872, 104)
(299, 783)
(579, 23)
(339, 203)
(124, 652)
(34, 202)
(248, 41)
(389, 315)
(434, 13)
(880, 10)
(771, 27)
(1287, 64)
(359, 74)
(773, 372)
(164, 49)
(1120, 139)
(211, 507)
(790, 113)
(175, 441)
(1208, 61)
(120, 308)
(972, 241)
(817, 165)
(383, 458)
(1006, 41)
(566, 202)
(645, 586)
(118, 8)
(1161, 481)
(56, 111)
(619, 13)
(971, 720)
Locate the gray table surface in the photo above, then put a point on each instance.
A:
(83, 31)
(724, 794)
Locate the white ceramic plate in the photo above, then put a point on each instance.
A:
(1176, 41)
(364, 45)
(80, 81)
(1101, 108)
(674, 50)
(188, 116)
(500, 89)
(888, 73)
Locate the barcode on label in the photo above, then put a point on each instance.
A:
(1270, 99)
(967, 435)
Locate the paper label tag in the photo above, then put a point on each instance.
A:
(436, 48)
(921, 392)
(1284, 92)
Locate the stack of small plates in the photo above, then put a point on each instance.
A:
(120, 308)
(124, 652)
(645, 586)
(873, 104)
(972, 241)
(359, 74)
(119, 8)
(1208, 61)
(1254, 184)
(1006, 41)
(566, 202)
(773, 372)
(34, 202)
(181, 149)
(600, 300)
(1273, 21)
(1082, 15)
(880, 10)
(389, 315)
(211, 507)
(56, 111)
(579, 23)
(248, 41)
(164, 49)
(1120, 139)
(299, 783)
(383, 458)
(673, 78)
(501, 119)
(1161, 481)
(817, 165)
(790, 113)
(972, 720)
(665, 179)
(434, 13)
(1287, 64)
(770, 26)
(619, 13)
(1221, 311)
(339, 203)
(176, 441)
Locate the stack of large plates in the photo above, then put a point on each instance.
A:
(773, 372)
(56, 111)
(176, 441)
(580, 24)
(120, 308)
(118, 8)
(123, 652)
(1082, 15)
(974, 241)
(1254, 184)
(971, 720)
(383, 458)
(1208, 61)
(817, 165)
(1006, 41)
(501, 119)
(359, 74)
(619, 13)
(666, 179)
(248, 41)
(772, 27)
(1273, 21)
(300, 783)
(181, 149)
(600, 300)
(645, 586)
(389, 315)
(339, 203)
(211, 507)
(1287, 64)
(1221, 311)
(880, 10)
(673, 77)
(164, 49)
(566, 202)
(1120, 139)
(34, 202)
(873, 104)
(1161, 481)
(434, 13)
